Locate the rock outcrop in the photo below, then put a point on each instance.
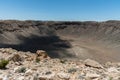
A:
(56, 69)
(92, 63)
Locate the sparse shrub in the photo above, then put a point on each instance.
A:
(3, 63)
(111, 78)
(63, 61)
(72, 70)
(22, 70)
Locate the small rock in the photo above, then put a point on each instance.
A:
(21, 78)
(29, 72)
(92, 63)
(63, 75)
(18, 63)
(92, 75)
(16, 69)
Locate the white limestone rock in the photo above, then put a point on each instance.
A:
(92, 63)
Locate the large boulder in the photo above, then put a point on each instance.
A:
(40, 55)
(92, 63)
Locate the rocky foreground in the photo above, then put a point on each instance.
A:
(39, 66)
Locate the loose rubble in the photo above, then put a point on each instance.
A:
(39, 66)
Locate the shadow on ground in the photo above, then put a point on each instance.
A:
(53, 45)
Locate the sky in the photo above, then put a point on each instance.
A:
(60, 10)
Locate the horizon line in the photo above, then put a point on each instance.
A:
(58, 20)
